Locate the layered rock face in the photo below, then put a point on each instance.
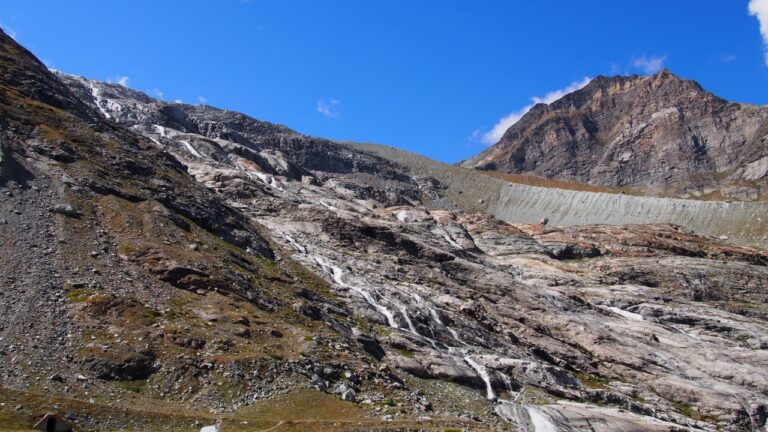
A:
(196, 259)
(659, 133)
(234, 139)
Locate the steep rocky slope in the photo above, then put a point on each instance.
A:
(200, 264)
(234, 139)
(660, 134)
(132, 297)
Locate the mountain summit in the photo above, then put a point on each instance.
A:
(658, 131)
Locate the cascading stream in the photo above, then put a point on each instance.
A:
(535, 419)
(483, 373)
(337, 275)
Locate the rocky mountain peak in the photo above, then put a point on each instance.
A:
(657, 134)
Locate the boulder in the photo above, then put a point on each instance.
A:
(310, 180)
(308, 310)
(349, 395)
(122, 365)
(66, 210)
(369, 343)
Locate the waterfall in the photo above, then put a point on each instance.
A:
(526, 417)
(404, 311)
(336, 273)
(531, 418)
(541, 423)
(483, 373)
(508, 383)
(294, 243)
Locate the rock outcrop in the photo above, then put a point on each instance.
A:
(202, 132)
(659, 134)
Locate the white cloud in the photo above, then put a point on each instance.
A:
(759, 8)
(6, 27)
(649, 65)
(122, 80)
(494, 135)
(178, 101)
(157, 92)
(202, 100)
(727, 58)
(329, 109)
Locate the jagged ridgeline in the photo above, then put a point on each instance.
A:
(169, 266)
(659, 135)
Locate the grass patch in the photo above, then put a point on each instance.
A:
(591, 381)
(78, 295)
(382, 330)
(98, 298)
(9, 422)
(134, 386)
(684, 407)
(50, 134)
(405, 352)
(305, 404)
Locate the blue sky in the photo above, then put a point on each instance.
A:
(433, 77)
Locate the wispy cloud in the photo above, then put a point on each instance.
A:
(649, 64)
(494, 135)
(726, 58)
(121, 79)
(157, 92)
(759, 9)
(329, 109)
(6, 26)
(202, 100)
(10, 31)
